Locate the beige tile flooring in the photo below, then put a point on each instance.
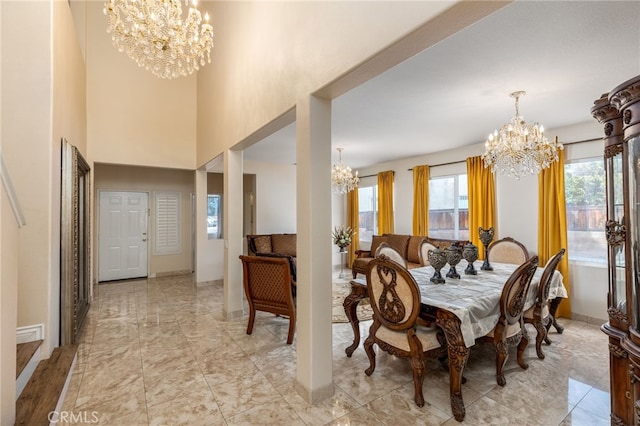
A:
(157, 352)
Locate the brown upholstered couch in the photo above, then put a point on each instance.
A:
(274, 245)
(407, 245)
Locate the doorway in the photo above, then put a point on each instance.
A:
(123, 235)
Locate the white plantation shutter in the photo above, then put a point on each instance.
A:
(167, 223)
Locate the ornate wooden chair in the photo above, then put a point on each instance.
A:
(510, 327)
(424, 252)
(269, 287)
(395, 299)
(391, 253)
(508, 250)
(539, 314)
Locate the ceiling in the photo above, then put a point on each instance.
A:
(563, 54)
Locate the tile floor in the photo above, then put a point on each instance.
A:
(157, 352)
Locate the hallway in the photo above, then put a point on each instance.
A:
(157, 352)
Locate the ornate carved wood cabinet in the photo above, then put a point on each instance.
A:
(619, 112)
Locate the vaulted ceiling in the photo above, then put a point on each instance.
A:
(563, 54)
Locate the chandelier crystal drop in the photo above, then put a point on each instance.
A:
(154, 34)
(342, 179)
(519, 148)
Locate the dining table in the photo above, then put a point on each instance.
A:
(465, 308)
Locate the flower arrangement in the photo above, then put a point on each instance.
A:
(342, 236)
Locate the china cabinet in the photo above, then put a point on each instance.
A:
(619, 112)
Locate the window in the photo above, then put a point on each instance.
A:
(368, 209)
(584, 186)
(449, 207)
(214, 216)
(167, 225)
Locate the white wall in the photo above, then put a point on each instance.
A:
(517, 205)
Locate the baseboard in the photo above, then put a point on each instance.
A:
(30, 333)
(169, 274)
(315, 396)
(587, 319)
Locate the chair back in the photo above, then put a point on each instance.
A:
(508, 250)
(394, 294)
(547, 274)
(268, 284)
(514, 292)
(424, 252)
(391, 253)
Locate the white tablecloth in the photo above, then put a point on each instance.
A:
(474, 298)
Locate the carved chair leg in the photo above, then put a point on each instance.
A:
(417, 365)
(292, 329)
(368, 348)
(540, 336)
(524, 342)
(252, 318)
(553, 307)
(501, 359)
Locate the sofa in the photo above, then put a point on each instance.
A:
(274, 245)
(407, 245)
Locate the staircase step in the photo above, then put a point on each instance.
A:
(24, 353)
(43, 391)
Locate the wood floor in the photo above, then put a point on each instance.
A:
(24, 353)
(40, 396)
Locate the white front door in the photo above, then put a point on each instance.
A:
(123, 235)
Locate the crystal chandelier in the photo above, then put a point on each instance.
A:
(342, 179)
(518, 148)
(154, 34)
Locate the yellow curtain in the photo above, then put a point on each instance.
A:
(482, 200)
(421, 200)
(552, 222)
(353, 221)
(385, 202)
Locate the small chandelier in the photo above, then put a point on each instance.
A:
(342, 179)
(518, 148)
(153, 33)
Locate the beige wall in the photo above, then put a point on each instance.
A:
(135, 118)
(151, 179)
(268, 54)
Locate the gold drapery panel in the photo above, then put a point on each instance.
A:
(552, 223)
(385, 202)
(421, 200)
(482, 200)
(353, 221)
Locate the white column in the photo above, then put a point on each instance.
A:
(201, 224)
(314, 379)
(232, 228)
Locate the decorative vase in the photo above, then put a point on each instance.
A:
(453, 254)
(486, 236)
(437, 259)
(470, 254)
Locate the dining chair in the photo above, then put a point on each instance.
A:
(424, 252)
(396, 327)
(539, 315)
(269, 287)
(509, 329)
(391, 253)
(508, 250)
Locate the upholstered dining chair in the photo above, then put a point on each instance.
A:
(509, 329)
(269, 288)
(539, 314)
(391, 253)
(395, 299)
(424, 252)
(508, 250)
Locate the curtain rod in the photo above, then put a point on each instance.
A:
(463, 161)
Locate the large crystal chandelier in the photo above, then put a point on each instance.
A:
(154, 34)
(342, 179)
(518, 148)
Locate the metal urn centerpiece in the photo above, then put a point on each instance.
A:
(453, 254)
(486, 236)
(470, 254)
(437, 259)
